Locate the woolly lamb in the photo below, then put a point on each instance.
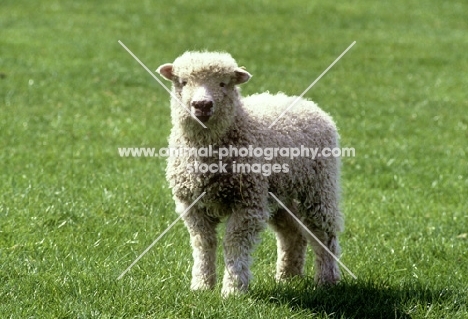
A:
(206, 84)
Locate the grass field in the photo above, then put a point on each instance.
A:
(74, 215)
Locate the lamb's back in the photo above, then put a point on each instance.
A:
(304, 121)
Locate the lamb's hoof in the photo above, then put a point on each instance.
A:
(287, 276)
(231, 292)
(200, 285)
(327, 281)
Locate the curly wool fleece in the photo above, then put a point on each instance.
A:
(206, 83)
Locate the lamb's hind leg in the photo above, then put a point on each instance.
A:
(326, 267)
(202, 230)
(291, 245)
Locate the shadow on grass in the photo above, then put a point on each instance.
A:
(355, 299)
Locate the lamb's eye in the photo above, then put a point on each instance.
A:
(222, 84)
(183, 83)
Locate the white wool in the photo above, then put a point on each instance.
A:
(310, 188)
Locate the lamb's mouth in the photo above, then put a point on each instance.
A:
(203, 116)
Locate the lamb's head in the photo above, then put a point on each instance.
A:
(206, 84)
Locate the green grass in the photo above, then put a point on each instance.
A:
(74, 215)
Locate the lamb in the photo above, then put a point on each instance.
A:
(206, 83)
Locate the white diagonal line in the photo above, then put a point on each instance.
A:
(312, 234)
(162, 84)
(160, 236)
(311, 85)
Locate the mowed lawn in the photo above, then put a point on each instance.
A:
(74, 214)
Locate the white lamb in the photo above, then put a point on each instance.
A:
(206, 84)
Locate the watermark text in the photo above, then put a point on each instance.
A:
(267, 153)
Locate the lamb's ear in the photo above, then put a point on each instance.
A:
(241, 75)
(166, 71)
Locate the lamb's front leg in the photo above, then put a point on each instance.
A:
(202, 230)
(242, 234)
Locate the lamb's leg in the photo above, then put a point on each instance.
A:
(325, 219)
(291, 245)
(202, 230)
(326, 268)
(242, 233)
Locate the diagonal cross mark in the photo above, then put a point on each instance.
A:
(196, 200)
(311, 85)
(160, 236)
(162, 84)
(313, 236)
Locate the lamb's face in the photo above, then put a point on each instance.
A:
(206, 89)
(206, 96)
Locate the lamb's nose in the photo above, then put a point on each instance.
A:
(203, 106)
